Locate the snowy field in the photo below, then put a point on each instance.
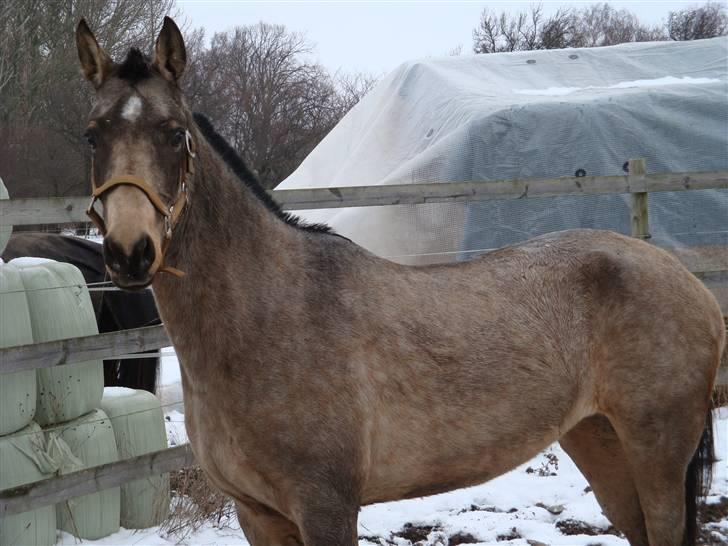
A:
(544, 502)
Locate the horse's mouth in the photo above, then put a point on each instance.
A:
(131, 284)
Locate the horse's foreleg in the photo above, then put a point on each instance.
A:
(594, 447)
(265, 527)
(326, 521)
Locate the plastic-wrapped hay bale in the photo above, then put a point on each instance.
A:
(17, 390)
(23, 460)
(60, 307)
(5, 231)
(90, 439)
(138, 423)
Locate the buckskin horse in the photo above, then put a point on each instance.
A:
(318, 377)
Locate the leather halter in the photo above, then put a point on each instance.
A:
(171, 213)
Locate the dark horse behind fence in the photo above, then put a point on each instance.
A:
(115, 310)
(318, 377)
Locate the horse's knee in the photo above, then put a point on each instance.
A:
(328, 522)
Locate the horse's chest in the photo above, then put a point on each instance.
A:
(220, 449)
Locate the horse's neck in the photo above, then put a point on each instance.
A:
(227, 244)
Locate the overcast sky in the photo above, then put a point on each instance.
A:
(375, 36)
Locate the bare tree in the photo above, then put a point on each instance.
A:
(256, 83)
(602, 25)
(697, 22)
(596, 25)
(257, 86)
(351, 88)
(561, 30)
(525, 31)
(44, 100)
(456, 51)
(486, 36)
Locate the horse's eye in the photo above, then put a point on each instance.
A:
(178, 138)
(90, 139)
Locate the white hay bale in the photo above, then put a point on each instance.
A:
(90, 440)
(5, 231)
(60, 307)
(138, 423)
(17, 390)
(23, 460)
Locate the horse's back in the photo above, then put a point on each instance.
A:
(84, 254)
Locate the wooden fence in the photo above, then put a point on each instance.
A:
(60, 210)
(69, 351)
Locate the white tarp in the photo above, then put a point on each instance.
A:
(530, 114)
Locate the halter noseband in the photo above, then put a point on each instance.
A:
(171, 213)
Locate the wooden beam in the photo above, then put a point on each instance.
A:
(44, 210)
(403, 194)
(81, 349)
(639, 216)
(59, 488)
(60, 210)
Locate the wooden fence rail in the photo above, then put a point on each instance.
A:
(64, 210)
(90, 480)
(81, 349)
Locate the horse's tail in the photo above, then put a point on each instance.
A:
(697, 481)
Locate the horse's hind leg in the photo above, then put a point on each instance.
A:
(594, 447)
(659, 447)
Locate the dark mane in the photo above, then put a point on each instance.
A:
(241, 170)
(135, 67)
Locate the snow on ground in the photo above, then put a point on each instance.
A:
(169, 388)
(527, 504)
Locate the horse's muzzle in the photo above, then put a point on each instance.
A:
(130, 270)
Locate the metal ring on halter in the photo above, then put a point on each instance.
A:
(188, 143)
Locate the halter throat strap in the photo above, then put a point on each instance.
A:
(171, 213)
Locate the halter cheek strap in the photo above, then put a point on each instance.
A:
(171, 213)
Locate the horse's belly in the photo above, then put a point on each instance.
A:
(431, 445)
(420, 469)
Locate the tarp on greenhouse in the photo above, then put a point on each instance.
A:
(531, 114)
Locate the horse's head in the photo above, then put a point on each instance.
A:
(142, 151)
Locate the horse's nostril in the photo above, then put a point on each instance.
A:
(114, 255)
(143, 254)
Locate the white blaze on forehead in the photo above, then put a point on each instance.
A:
(132, 109)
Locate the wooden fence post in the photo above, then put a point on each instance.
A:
(640, 217)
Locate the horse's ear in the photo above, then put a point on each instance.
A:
(96, 64)
(170, 56)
